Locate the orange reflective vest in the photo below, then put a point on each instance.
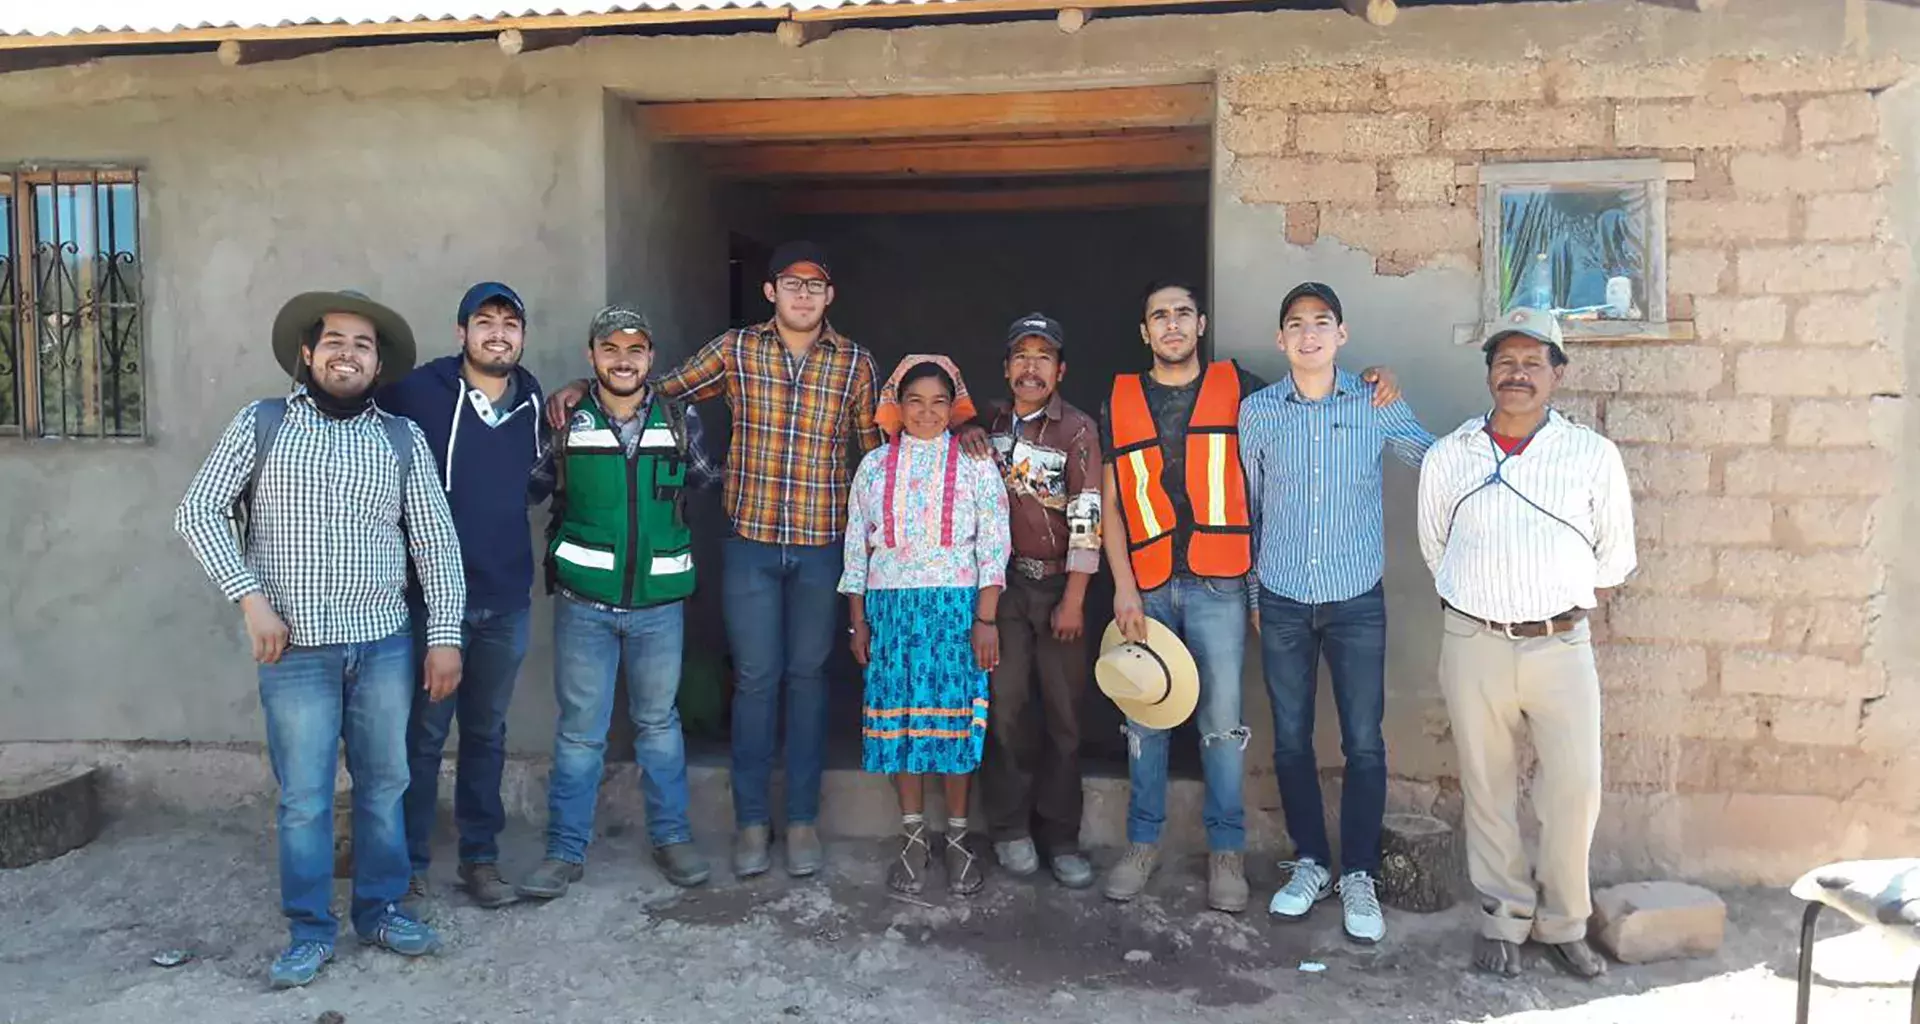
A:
(1221, 544)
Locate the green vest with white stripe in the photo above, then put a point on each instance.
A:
(621, 539)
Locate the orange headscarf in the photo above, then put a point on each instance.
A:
(888, 413)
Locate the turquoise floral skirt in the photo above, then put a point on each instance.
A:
(926, 700)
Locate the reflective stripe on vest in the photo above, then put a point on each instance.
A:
(1222, 543)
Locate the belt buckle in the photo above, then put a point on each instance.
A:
(1031, 568)
(1507, 628)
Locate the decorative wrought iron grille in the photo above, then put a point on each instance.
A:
(72, 344)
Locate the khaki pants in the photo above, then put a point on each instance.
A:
(1491, 684)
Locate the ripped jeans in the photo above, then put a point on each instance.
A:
(1210, 616)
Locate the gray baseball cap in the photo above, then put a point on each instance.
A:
(619, 318)
(1539, 324)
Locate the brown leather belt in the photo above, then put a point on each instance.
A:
(1561, 623)
(1038, 568)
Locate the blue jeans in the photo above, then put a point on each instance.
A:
(590, 647)
(496, 644)
(783, 614)
(1210, 616)
(1353, 636)
(313, 698)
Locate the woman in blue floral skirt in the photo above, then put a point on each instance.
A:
(927, 550)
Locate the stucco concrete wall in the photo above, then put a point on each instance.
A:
(111, 630)
(414, 170)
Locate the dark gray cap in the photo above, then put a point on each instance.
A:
(619, 318)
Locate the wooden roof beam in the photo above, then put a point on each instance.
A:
(1380, 13)
(1184, 150)
(237, 53)
(515, 41)
(896, 199)
(882, 117)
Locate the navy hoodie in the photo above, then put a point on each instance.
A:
(487, 473)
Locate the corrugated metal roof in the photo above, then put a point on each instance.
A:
(75, 17)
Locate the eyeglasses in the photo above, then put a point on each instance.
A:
(810, 285)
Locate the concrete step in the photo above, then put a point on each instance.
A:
(47, 812)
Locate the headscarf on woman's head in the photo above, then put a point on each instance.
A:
(888, 414)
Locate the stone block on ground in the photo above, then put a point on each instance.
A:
(1419, 870)
(1642, 922)
(47, 813)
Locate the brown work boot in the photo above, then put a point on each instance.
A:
(804, 852)
(1129, 877)
(1226, 882)
(484, 884)
(750, 851)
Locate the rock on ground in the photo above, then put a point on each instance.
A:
(1641, 922)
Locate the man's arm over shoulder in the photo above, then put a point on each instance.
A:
(1434, 503)
(704, 375)
(1409, 440)
(705, 468)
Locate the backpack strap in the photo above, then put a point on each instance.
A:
(400, 439)
(268, 414)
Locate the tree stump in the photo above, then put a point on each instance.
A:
(1419, 870)
(46, 814)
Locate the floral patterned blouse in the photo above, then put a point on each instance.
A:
(938, 493)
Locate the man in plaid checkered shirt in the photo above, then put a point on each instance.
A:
(320, 580)
(799, 392)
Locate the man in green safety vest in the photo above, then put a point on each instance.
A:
(620, 557)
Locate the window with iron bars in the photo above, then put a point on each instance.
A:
(72, 340)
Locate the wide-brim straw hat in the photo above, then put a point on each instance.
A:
(397, 351)
(1155, 684)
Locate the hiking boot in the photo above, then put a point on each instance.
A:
(394, 930)
(1072, 870)
(964, 877)
(414, 902)
(1360, 908)
(1129, 877)
(682, 864)
(750, 851)
(804, 854)
(1226, 881)
(485, 886)
(1576, 958)
(299, 964)
(908, 873)
(1017, 857)
(1309, 884)
(549, 881)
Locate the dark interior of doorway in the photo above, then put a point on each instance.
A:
(945, 219)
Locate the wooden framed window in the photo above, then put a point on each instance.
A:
(1586, 239)
(72, 338)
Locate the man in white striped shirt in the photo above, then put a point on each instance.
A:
(320, 580)
(1525, 521)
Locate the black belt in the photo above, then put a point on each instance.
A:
(1561, 623)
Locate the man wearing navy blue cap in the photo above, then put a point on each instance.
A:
(480, 412)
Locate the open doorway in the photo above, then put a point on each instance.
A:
(947, 217)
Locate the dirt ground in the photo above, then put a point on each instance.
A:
(77, 936)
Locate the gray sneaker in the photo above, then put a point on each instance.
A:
(804, 853)
(1226, 882)
(484, 884)
(1017, 856)
(1072, 870)
(1129, 877)
(549, 881)
(750, 851)
(682, 864)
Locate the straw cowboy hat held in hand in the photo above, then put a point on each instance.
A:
(1156, 684)
(304, 310)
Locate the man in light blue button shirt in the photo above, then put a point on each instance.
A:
(1312, 445)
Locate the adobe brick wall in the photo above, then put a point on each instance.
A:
(1742, 664)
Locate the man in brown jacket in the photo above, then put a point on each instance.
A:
(1049, 453)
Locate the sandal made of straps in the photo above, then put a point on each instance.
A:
(909, 871)
(963, 868)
